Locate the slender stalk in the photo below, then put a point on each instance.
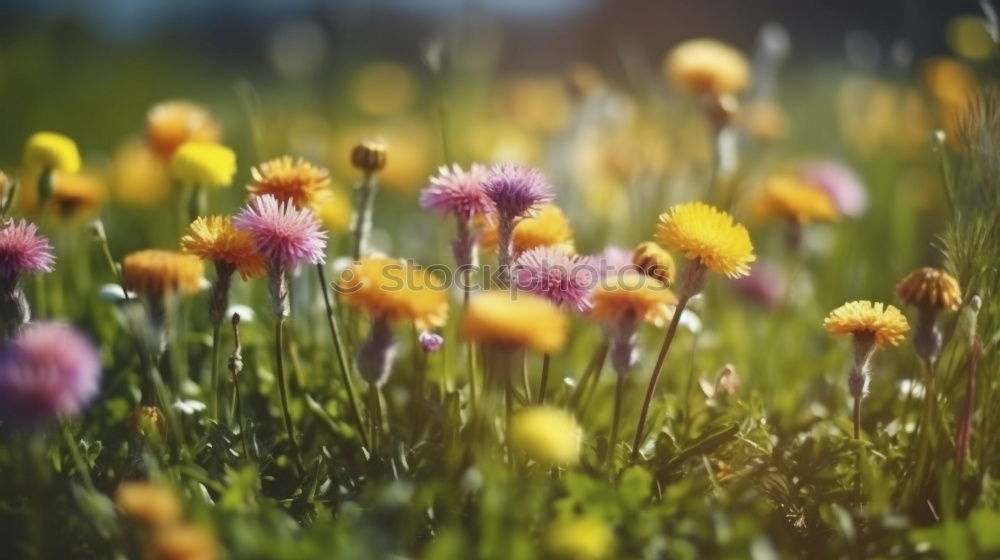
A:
(613, 440)
(213, 395)
(279, 328)
(235, 367)
(545, 378)
(671, 331)
(857, 417)
(508, 398)
(596, 363)
(524, 377)
(375, 416)
(74, 452)
(363, 218)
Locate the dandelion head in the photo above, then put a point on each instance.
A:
(153, 505)
(459, 192)
(289, 179)
(48, 371)
(515, 320)
(545, 227)
(515, 189)
(787, 197)
(283, 234)
(50, 150)
(707, 66)
(395, 289)
(76, 196)
(214, 238)
(547, 435)
(631, 294)
(581, 538)
(860, 318)
(172, 123)
(203, 164)
(560, 277)
(654, 261)
(155, 272)
(930, 288)
(709, 236)
(23, 250)
(138, 175)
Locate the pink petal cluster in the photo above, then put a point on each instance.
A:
(515, 189)
(23, 250)
(48, 371)
(613, 261)
(458, 192)
(284, 234)
(840, 183)
(552, 273)
(764, 286)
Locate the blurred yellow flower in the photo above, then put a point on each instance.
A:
(138, 176)
(333, 208)
(213, 238)
(535, 103)
(395, 289)
(763, 120)
(289, 179)
(156, 272)
(76, 196)
(930, 287)
(709, 236)
(173, 123)
(548, 435)
(707, 66)
(968, 37)
(631, 294)
(184, 542)
(788, 197)
(886, 323)
(654, 261)
(517, 320)
(203, 165)
(383, 88)
(548, 227)
(151, 504)
(50, 150)
(581, 538)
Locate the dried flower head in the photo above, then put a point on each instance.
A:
(395, 289)
(283, 234)
(184, 542)
(457, 192)
(580, 538)
(203, 165)
(288, 179)
(151, 504)
(369, 155)
(214, 238)
(930, 287)
(709, 236)
(48, 371)
(789, 198)
(707, 66)
(23, 250)
(654, 261)
(156, 272)
(546, 227)
(76, 196)
(50, 150)
(516, 190)
(557, 276)
(884, 322)
(521, 321)
(172, 123)
(631, 294)
(548, 435)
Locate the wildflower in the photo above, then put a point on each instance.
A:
(459, 192)
(333, 210)
(203, 165)
(709, 239)
(48, 371)
(523, 320)
(369, 156)
(764, 120)
(430, 342)
(22, 251)
(214, 238)
(929, 290)
(614, 260)
(631, 295)
(173, 123)
(581, 538)
(76, 196)
(51, 151)
(516, 191)
(547, 227)
(156, 272)
(707, 66)
(148, 423)
(655, 262)
(840, 183)
(787, 197)
(138, 175)
(764, 286)
(151, 504)
(395, 289)
(557, 276)
(184, 542)
(547, 435)
(288, 179)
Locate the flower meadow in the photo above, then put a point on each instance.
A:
(707, 310)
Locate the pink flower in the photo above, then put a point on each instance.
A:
(764, 286)
(613, 261)
(284, 234)
(430, 342)
(559, 277)
(840, 183)
(23, 250)
(515, 189)
(458, 192)
(48, 371)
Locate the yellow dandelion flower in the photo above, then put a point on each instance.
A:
(788, 197)
(213, 238)
(173, 123)
(548, 227)
(708, 235)
(76, 196)
(521, 320)
(707, 66)
(930, 287)
(631, 294)
(50, 150)
(148, 503)
(654, 261)
(395, 289)
(184, 542)
(333, 208)
(139, 176)
(886, 323)
(156, 272)
(203, 165)
(548, 435)
(582, 538)
(291, 179)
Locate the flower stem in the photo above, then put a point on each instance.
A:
(596, 363)
(613, 440)
(74, 452)
(375, 416)
(363, 218)
(279, 328)
(545, 378)
(857, 417)
(671, 331)
(213, 387)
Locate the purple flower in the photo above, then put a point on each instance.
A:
(284, 234)
(515, 189)
(457, 192)
(48, 371)
(765, 286)
(430, 341)
(559, 277)
(839, 182)
(23, 250)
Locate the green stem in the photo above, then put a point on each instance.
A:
(613, 440)
(545, 378)
(375, 416)
(596, 363)
(74, 452)
(283, 392)
(363, 219)
(213, 387)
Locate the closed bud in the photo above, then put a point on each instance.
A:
(148, 422)
(369, 156)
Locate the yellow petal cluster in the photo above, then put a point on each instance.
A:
(548, 435)
(156, 272)
(707, 66)
(289, 179)
(395, 289)
(173, 123)
(654, 261)
(548, 227)
(333, 208)
(203, 165)
(710, 236)
(631, 294)
(213, 238)
(517, 320)
(151, 504)
(76, 196)
(886, 323)
(930, 287)
(788, 197)
(50, 150)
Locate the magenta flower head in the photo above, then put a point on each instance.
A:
(284, 234)
(515, 189)
(840, 183)
(23, 250)
(554, 274)
(458, 192)
(48, 371)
